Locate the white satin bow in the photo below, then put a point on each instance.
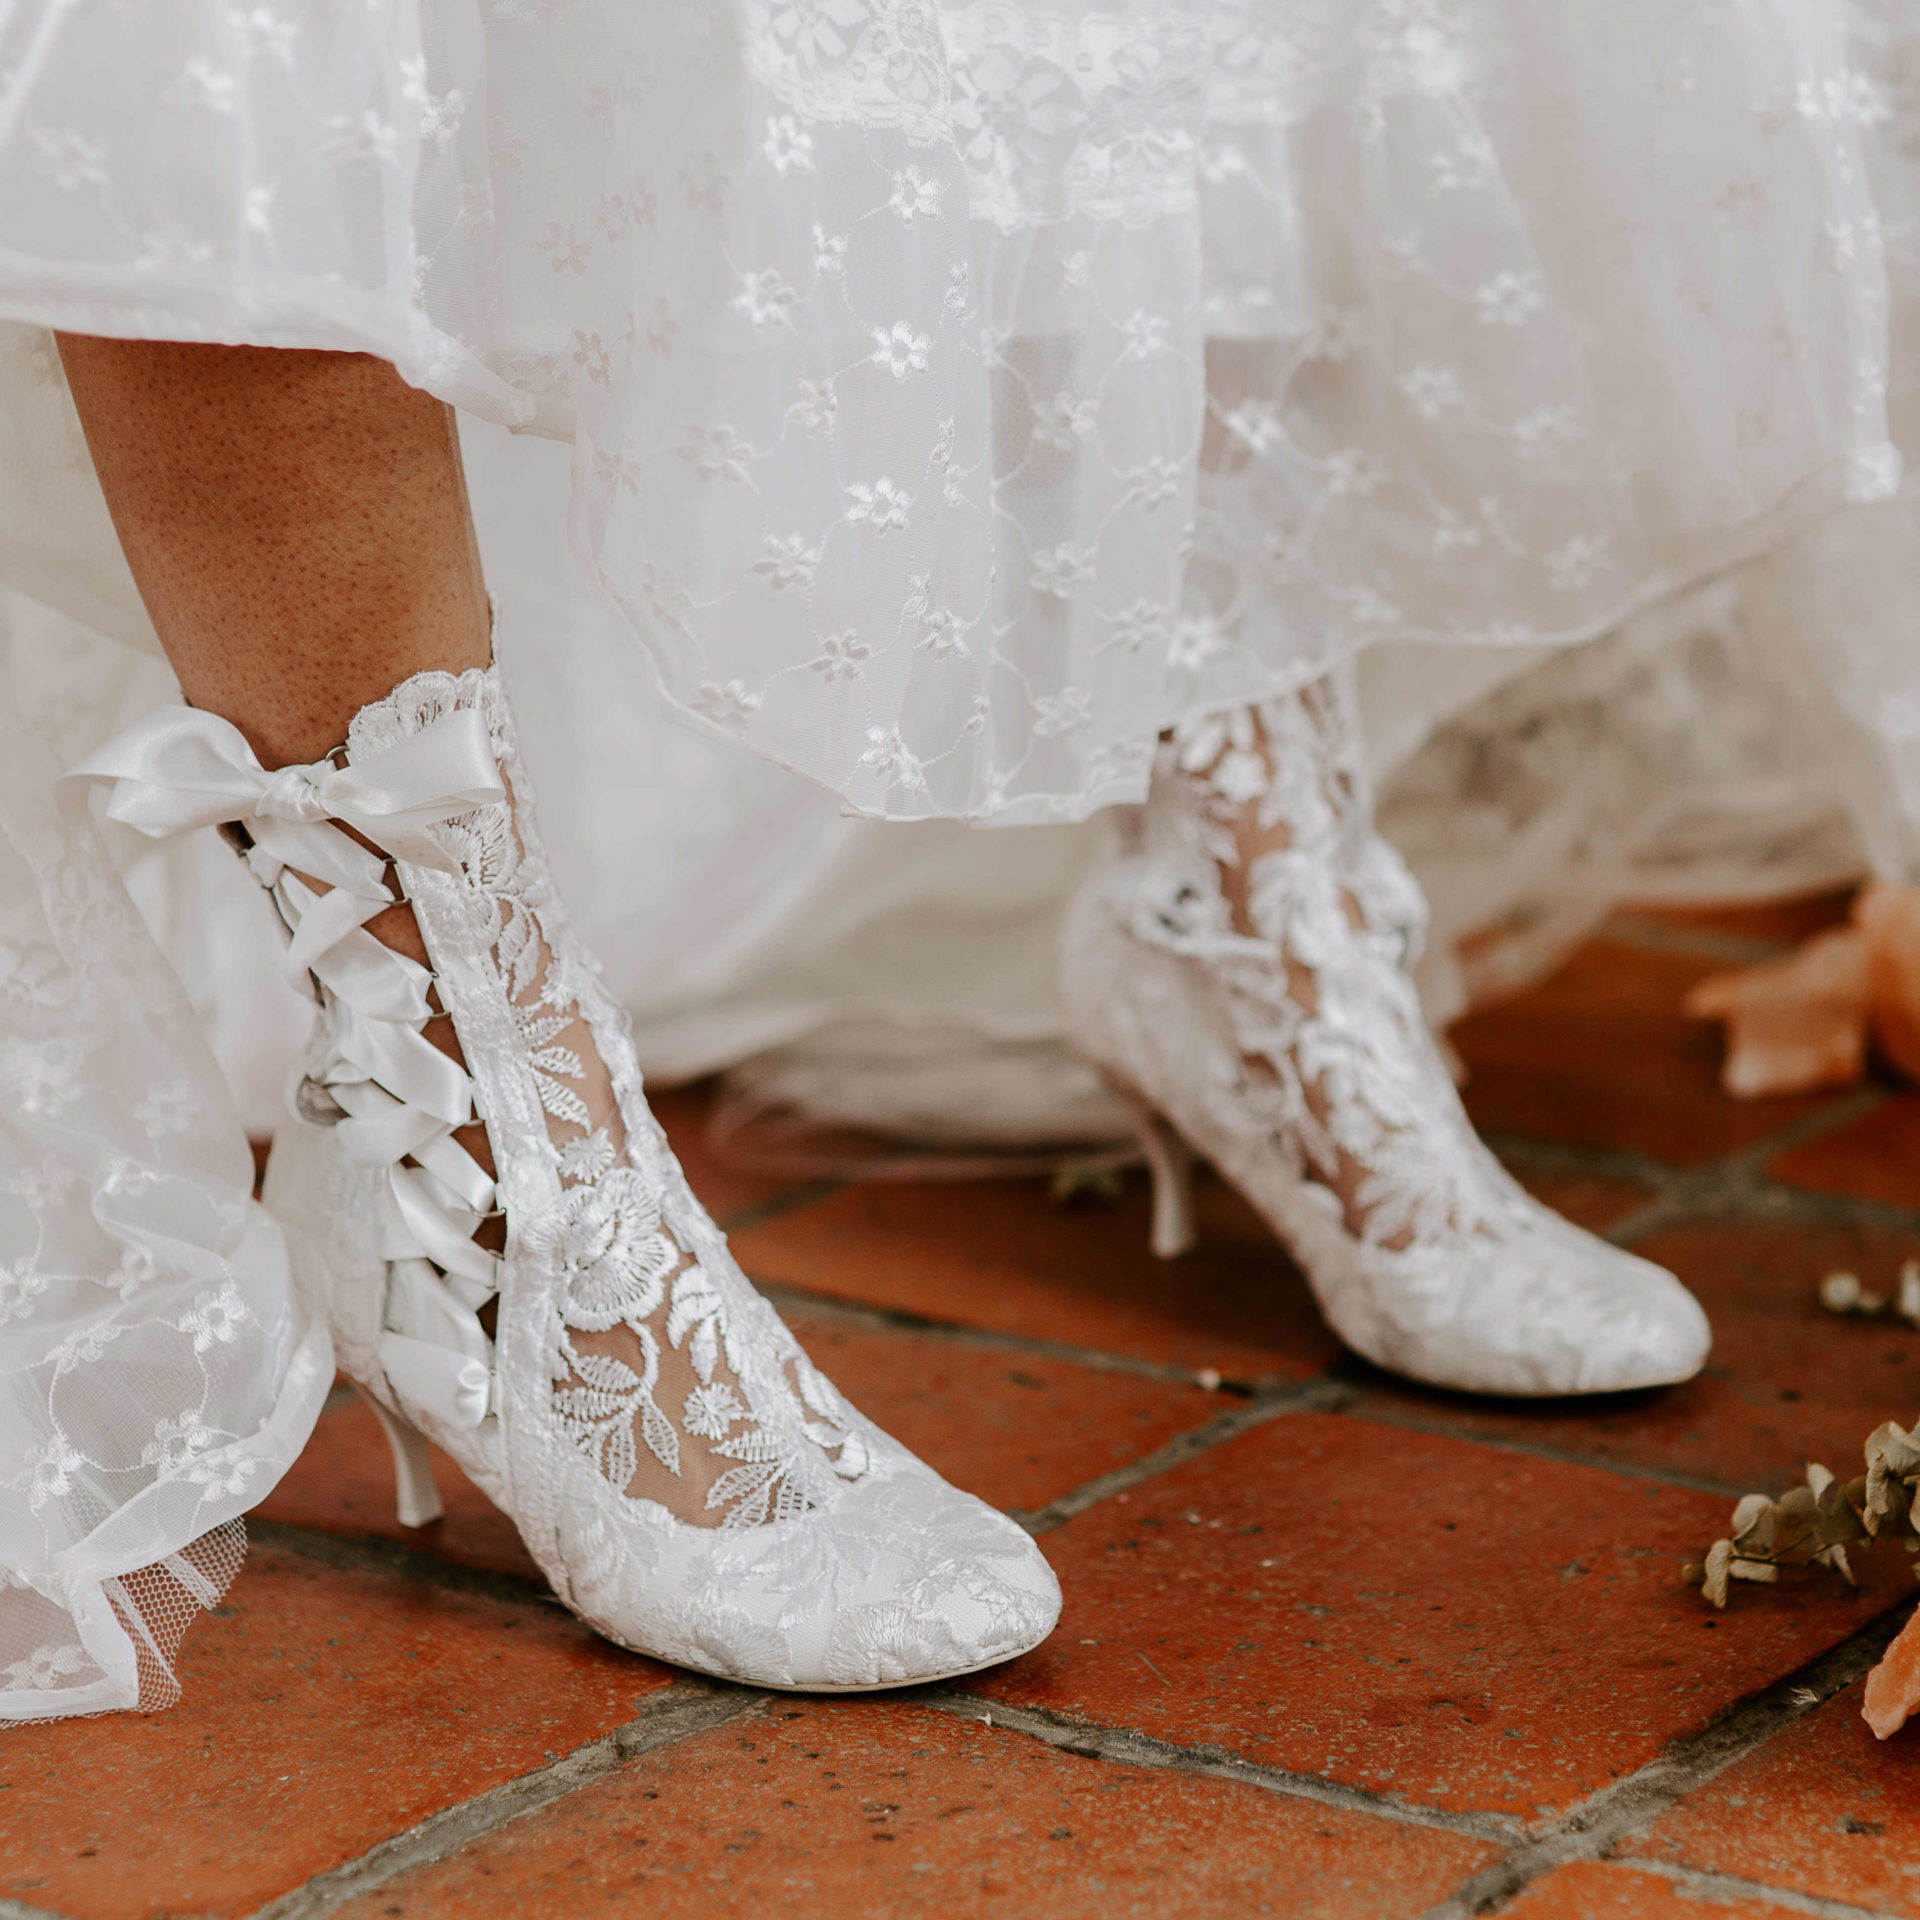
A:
(178, 767)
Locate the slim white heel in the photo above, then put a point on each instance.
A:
(1175, 1229)
(415, 1492)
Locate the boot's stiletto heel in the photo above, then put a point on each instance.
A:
(415, 1491)
(1170, 1162)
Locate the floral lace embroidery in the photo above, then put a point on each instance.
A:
(660, 1366)
(1337, 1062)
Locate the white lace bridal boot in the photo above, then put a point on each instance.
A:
(689, 1483)
(1280, 1036)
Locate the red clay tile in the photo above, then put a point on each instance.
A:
(878, 1809)
(1597, 1890)
(1786, 1382)
(1600, 1055)
(323, 1711)
(1410, 1614)
(1876, 1157)
(1823, 1809)
(1784, 923)
(1015, 1429)
(1001, 1255)
(343, 1483)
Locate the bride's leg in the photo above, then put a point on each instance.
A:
(297, 525)
(296, 522)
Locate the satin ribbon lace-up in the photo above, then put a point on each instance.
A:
(392, 1096)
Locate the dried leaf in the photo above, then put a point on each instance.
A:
(1836, 1558)
(1896, 1448)
(1815, 1524)
(1719, 1562)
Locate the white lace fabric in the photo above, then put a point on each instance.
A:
(1280, 1033)
(888, 334)
(650, 1359)
(1314, 922)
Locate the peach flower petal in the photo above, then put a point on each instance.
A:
(1893, 1687)
(1796, 1024)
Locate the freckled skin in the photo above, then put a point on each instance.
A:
(296, 522)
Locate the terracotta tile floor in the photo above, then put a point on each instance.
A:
(1334, 1646)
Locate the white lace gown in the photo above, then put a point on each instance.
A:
(959, 391)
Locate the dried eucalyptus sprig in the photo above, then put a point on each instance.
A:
(1817, 1523)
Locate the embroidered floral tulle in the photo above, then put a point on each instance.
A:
(887, 334)
(159, 1372)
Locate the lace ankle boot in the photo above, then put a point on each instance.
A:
(692, 1486)
(1239, 969)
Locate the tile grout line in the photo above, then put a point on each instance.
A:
(794, 1199)
(1125, 1747)
(372, 1553)
(676, 1713)
(19, 1910)
(1695, 1884)
(1655, 936)
(1732, 1186)
(1324, 1395)
(857, 1313)
(1590, 1830)
(1377, 1410)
